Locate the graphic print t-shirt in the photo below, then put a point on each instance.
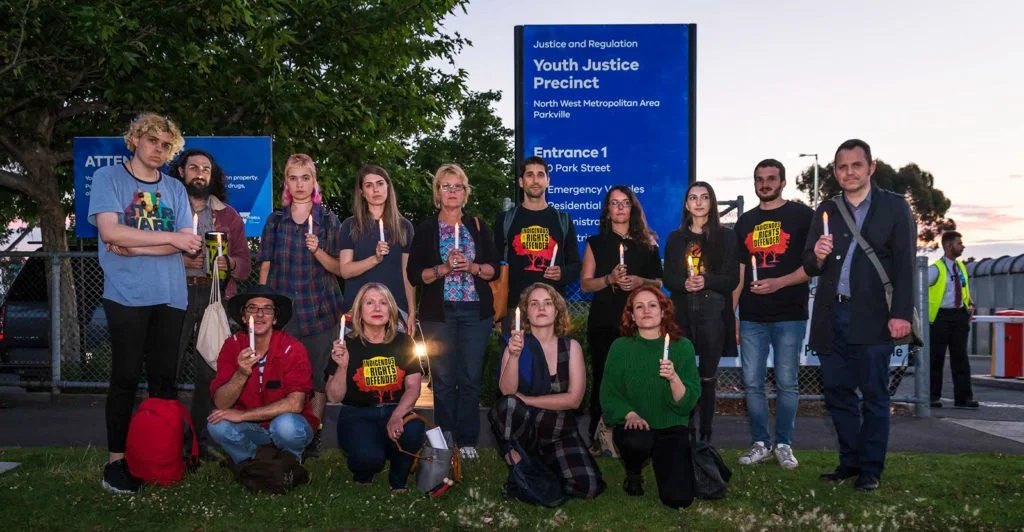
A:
(775, 239)
(532, 238)
(376, 372)
(161, 206)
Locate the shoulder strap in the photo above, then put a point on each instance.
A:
(868, 250)
(506, 224)
(477, 220)
(563, 222)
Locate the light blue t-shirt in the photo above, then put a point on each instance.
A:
(161, 206)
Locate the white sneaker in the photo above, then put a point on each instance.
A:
(784, 454)
(469, 453)
(757, 453)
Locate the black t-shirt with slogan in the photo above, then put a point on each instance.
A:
(531, 242)
(775, 239)
(376, 372)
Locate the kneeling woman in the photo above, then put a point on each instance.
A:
(542, 380)
(648, 397)
(375, 375)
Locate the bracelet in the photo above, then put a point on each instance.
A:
(437, 272)
(607, 280)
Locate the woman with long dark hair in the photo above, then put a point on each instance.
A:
(701, 272)
(611, 276)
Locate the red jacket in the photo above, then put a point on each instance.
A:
(286, 370)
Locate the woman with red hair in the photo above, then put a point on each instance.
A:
(298, 257)
(650, 388)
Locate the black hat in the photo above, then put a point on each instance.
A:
(283, 305)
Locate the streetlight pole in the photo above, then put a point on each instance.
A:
(814, 195)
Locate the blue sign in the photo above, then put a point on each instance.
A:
(608, 105)
(246, 162)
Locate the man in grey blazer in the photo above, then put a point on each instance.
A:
(852, 326)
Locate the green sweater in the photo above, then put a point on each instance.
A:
(631, 382)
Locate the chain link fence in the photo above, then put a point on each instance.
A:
(83, 360)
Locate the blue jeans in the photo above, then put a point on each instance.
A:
(458, 347)
(862, 440)
(289, 432)
(363, 435)
(785, 339)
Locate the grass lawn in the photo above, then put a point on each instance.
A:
(59, 489)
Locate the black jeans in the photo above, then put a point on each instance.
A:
(139, 335)
(202, 403)
(669, 451)
(707, 332)
(950, 330)
(599, 340)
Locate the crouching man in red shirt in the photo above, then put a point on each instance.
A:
(262, 395)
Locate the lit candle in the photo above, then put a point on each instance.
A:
(554, 253)
(252, 335)
(420, 350)
(341, 331)
(195, 224)
(518, 328)
(310, 231)
(689, 260)
(220, 246)
(664, 356)
(456, 235)
(380, 225)
(753, 264)
(824, 222)
(622, 255)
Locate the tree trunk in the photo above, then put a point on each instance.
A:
(52, 223)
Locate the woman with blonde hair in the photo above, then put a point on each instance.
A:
(452, 259)
(542, 381)
(376, 377)
(375, 243)
(299, 258)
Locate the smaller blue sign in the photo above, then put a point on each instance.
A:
(247, 164)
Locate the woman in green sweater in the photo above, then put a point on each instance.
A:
(648, 392)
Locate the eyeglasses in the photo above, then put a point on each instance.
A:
(453, 188)
(615, 204)
(253, 309)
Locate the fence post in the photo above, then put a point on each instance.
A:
(922, 367)
(55, 325)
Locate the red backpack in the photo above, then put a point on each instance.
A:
(157, 437)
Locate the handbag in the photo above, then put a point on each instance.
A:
(499, 285)
(432, 465)
(915, 336)
(710, 474)
(214, 328)
(604, 441)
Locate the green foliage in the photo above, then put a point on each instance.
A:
(928, 203)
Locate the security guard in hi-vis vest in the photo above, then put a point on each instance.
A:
(949, 311)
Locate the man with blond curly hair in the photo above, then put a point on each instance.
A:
(145, 223)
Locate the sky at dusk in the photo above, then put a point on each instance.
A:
(937, 84)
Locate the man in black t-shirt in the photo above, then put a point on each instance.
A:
(772, 298)
(526, 237)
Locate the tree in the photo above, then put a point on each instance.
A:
(928, 203)
(346, 81)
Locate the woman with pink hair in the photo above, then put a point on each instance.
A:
(298, 258)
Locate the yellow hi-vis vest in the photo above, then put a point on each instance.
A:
(937, 290)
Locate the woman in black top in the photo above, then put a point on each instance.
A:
(701, 272)
(622, 224)
(453, 258)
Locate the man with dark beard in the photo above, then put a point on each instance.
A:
(205, 183)
(772, 298)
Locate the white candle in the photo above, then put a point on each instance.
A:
(518, 328)
(310, 230)
(456, 235)
(380, 225)
(341, 331)
(689, 260)
(753, 265)
(554, 253)
(665, 355)
(252, 335)
(824, 223)
(220, 246)
(195, 224)
(622, 255)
